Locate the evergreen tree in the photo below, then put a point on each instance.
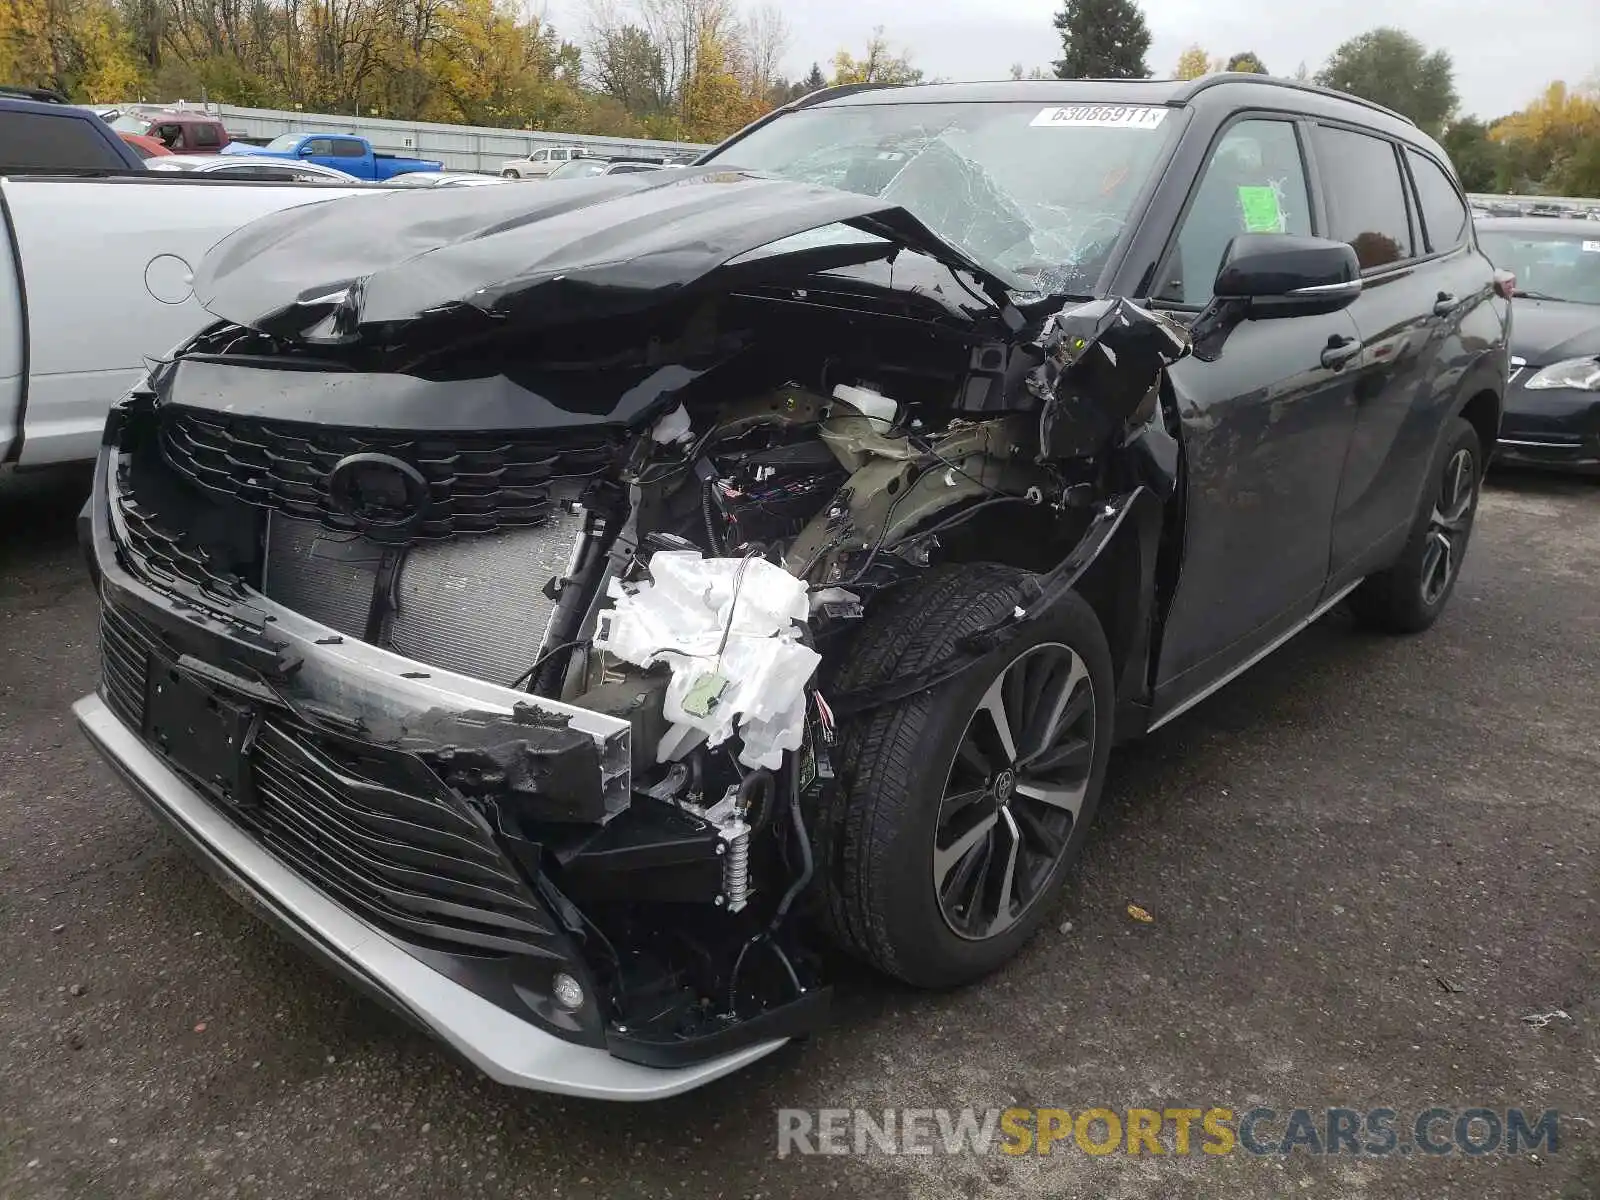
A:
(1102, 39)
(813, 82)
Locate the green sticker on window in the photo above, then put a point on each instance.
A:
(1261, 212)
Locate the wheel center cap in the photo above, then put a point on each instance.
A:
(1004, 784)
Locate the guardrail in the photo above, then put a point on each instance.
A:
(459, 147)
(1578, 205)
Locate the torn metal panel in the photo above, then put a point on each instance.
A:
(1102, 363)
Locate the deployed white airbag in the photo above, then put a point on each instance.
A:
(729, 630)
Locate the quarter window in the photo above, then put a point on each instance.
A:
(1366, 198)
(1444, 214)
(1254, 182)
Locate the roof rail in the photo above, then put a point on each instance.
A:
(1209, 81)
(41, 95)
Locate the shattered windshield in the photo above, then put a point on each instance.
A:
(1041, 191)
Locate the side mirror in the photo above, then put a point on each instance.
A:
(308, 150)
(1281, 275)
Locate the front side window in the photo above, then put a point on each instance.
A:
(1445, 217)
(322, 147)
(1254, 182)
(171, 135)
(539, 156)
(1041, 192)
(1366, 197)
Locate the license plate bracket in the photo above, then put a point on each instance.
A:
(204, 734)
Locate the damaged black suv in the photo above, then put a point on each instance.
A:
(558, 606)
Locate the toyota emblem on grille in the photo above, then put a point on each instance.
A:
(381, 494)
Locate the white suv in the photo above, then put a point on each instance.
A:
(540, 163)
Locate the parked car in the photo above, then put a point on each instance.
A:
(438, 179)
(44, 136)
(231, 166)
(555, 609)
(343, 152)
(145, 147)
(590, 168)
(1552, 415)
(540, 163)
(181, 132)
(95, 258)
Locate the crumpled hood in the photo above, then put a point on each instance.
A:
(1547, 331)
(541, 253)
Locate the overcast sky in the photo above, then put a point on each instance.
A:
(1504, 52)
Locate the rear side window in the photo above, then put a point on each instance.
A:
(206, 135)
(1366, 199)
(1444, 213)
(34, 142)
(348, 148)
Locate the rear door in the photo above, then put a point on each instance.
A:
(1420, 284)
(1264, 424)
(13, 340)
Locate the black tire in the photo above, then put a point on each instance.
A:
(876, 835)
(1409, 596)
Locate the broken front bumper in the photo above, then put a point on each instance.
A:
(441, 924)
(500, 1044)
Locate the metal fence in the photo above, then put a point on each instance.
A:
(459, 147)
(1577, 206)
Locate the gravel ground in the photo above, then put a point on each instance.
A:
(1366, 862)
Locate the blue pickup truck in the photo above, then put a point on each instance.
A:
(352, 155)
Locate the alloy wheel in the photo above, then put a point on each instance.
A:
(1448, 526)
(1014, 792)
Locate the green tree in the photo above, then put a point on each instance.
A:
(1394, 69)
(814, 81)
(1102, 39)
(1246, 60)
(1476, 158)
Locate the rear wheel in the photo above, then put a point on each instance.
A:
(961, 809)
(509, 174)
(1410, 595)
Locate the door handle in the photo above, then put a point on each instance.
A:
(1340, 350)
(1444, 304)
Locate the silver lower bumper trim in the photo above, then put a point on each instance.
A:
(505, 1048)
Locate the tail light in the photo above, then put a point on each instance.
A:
(1504, 284)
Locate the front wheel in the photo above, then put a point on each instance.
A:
(1409, 596)
(509, 175)
(961, 809)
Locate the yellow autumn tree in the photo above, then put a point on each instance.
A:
(715, 102)
(1192, 64)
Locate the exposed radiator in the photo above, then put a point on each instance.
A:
(474, 605)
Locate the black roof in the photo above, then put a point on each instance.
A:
(1235, 89)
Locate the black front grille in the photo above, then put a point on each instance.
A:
(124, 664)
(166, 554)
(411, 859)
(476, 483)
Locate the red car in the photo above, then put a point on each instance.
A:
(145, 147)
(179, 132)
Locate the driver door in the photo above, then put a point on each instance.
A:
(1265, 426)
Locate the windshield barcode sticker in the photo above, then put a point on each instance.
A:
(1591, 247)
(1106, 116)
